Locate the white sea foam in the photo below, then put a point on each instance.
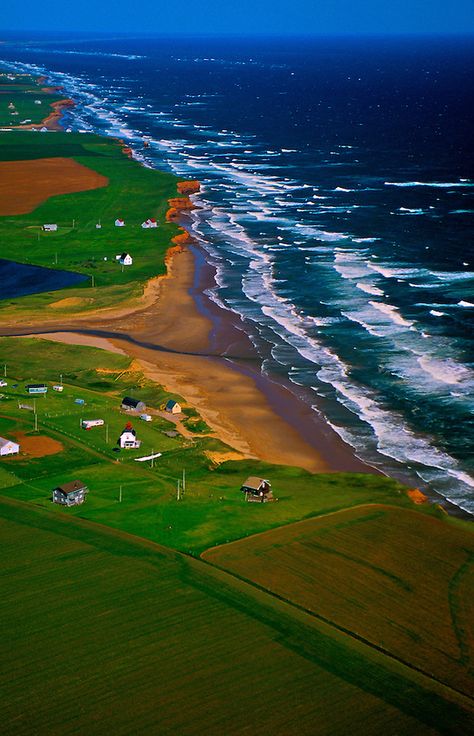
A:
(437, 314)
(370, 289)
(440, 184)
(464, 303)
(393, 313)
(446, 370)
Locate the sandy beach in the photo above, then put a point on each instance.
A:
(180, 342)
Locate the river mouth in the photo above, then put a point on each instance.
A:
(21, 279)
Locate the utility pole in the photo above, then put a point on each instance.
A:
(5, 370)
(73, 223)
(120, 494)
(107, 434)
(61, 379)
(184, 480)
(177, 492)
(36, 422)
(152, 458)
(92, 277)
(56, 258)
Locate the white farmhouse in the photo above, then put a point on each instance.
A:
(50, 228)
(128, 438)
(125, 259)
(119, 222)
(7, 447)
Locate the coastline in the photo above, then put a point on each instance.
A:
(314, 444)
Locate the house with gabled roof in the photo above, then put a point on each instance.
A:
(70, 494)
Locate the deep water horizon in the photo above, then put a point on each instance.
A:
(337, 207)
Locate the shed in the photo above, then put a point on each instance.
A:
(125, 259)
(173, 407)
(70, 494)
(50, 228)
(8, 447)
(130, 404)
(151, 222)
(257, 489)
(128, 439)
(119, 222)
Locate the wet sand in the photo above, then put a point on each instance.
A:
(193, 348)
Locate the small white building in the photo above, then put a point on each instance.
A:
(7, 447)
(50, 228)
(151, 222)
(125, 259)
(119, 222)
(58, 387)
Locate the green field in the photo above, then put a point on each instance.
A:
(398, 579)
(104, 632)
(134, 193)
(22, 93)
(212, 510)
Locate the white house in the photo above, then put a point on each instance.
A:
(125, 259)
(50, 228)
(151, 222)
(128, 438)
(7, 447)
(119, 222)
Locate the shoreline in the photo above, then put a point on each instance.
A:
(229, 351)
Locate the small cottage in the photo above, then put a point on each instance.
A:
(119, 222)
(70, 494)
(128, 439)
(125, 259)
(257, 490)
(7, 447)
(151, 222)
(130, 404)
(50, 228)
(173, 407)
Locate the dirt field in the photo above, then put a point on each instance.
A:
(26, 184)
(37, 445)
(399, 579)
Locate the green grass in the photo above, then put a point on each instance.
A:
(212, 510)
(103, 632)
(22, 93)
(133, 193)
(392, 576)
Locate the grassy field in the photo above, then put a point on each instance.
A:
(21, 92)
(394, 577)
(212, 510)
(104, 632)
(134, 193)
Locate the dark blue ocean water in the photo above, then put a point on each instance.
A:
(337, 207)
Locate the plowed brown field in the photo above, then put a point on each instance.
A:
(26, 184)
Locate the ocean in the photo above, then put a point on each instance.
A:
(337, 208)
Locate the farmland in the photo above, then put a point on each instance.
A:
(17, 100)
(118, 638)
(212, 510)
(396, 578)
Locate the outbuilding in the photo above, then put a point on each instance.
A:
(50, 228)
(130, 404)
(151, 222)
(257, 489)
(173, 407)
(70, 494)
(119, 222)
(8, 447)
